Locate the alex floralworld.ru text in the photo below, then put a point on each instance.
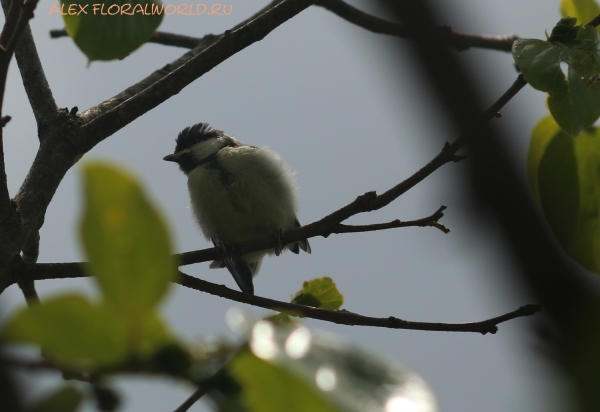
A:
(128, 9)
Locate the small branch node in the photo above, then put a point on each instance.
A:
(457, 158)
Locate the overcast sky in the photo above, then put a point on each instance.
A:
(333, 101)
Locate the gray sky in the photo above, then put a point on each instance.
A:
(329, 97)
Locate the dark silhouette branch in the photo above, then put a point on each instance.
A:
(458, 41)
(34, 80)
(43, 271)
(160, 37)
(431, 221)
(595, 22)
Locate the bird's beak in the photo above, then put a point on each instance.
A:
(176, 156)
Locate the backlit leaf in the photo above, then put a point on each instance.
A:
(71, 331)
(564, 174)
(583, 10)
(125, 240)
(65, 399)
(319, 293)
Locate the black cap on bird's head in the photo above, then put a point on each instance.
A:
(189, 137)
(196, 134)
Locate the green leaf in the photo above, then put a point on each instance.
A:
(268, 388)
(574, 101)
(71, 331)
(578, 106)
(564, 175)
(108, 31)
(125, 240)
(583, 10)
(319, 293)
(65, 399)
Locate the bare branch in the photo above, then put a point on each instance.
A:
(194, 397)
(103, 123)
(74, 270)
(34, 80)
(426, 221)
(31, 252)
(160, 37)
(459, 41)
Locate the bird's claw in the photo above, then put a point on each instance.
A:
(226, 249)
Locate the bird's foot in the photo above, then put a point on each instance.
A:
(226, 249)
(279, 238)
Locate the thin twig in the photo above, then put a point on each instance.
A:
(595, 22)
(194, 397)
(431, 221)
(459, 41)
(344, 317)
(159, 37)
(43, 271)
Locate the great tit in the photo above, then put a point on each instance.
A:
(238, 192)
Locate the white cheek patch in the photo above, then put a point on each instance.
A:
(207, 148)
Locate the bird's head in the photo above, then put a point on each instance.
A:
(196, 144)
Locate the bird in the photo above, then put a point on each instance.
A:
(237, 193)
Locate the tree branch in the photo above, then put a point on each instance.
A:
(34, 80)
(458, 41)
(43, 271)
(595, 22)
(426, 221)
(159, 37)
(103, 123)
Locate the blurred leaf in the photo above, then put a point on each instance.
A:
(564, 174)
(66, 399)
(106, 399)
(172, 359)
(583, 10)
(125, 240)
(101, 36)
(268, 388)
(319, 293)
(71, 331)
(574, 102)
(153, 335)
(291, 369)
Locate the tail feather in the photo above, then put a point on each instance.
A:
(242, 273)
